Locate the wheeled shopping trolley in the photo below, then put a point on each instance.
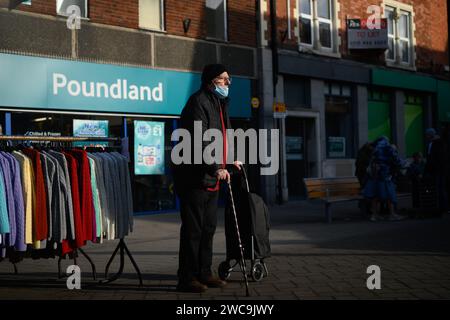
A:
(247, 228)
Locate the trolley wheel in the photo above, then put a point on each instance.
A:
(258, 271)
(224, 270)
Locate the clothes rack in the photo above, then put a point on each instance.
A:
(121, 247)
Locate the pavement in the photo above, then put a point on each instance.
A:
(310, 260)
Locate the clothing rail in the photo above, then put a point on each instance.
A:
(121, 247)
(57, 139)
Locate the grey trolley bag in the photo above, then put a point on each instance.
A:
(246, 231)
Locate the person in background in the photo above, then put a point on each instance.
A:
(380, 187)
(436, 167)
(415, 172)
(362, 163)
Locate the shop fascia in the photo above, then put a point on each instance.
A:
(119, 89)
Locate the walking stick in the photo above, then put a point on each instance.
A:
(241, 248)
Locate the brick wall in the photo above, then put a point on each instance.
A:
(241, 16)
(431, 31)
(40, 6)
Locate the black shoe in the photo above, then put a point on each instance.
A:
(193, 286)
(213, 282)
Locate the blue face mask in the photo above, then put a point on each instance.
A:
(221, 92)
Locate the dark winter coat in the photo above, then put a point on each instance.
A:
(437, 159)
(202, 106)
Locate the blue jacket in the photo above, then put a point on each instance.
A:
(385, 161)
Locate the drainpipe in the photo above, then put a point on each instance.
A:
(274, 44)
(274, 47)
(448, 30)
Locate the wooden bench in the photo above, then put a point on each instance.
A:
(332, 190)
(336, 190)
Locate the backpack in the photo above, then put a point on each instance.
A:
(374, 167)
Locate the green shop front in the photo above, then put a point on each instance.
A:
(401, 105)
(52, 97)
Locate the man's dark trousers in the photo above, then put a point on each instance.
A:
(198, 225)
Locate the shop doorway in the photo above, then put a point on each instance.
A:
(301, 154)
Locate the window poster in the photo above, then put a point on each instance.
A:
(148, 147)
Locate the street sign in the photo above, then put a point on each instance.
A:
(279, 110)
(279, 107)
(279, 115)
(255, 102)
(360, 36)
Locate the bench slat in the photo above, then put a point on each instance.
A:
(321, 194)
(326, 181)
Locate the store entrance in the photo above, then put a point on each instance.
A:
(299, 152)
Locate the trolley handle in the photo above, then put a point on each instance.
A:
(244, 173)
(245, 177)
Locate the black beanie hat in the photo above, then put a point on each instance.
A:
(211, 71)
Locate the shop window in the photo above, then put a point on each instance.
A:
(151, 14)
(400, 35)
(62, 7)
(379, 115)
(297, 92)
(152, 192)
(337, 89)
(414, 125)
(339, 121)
(318, 29)
(216, 19)
(54, 124)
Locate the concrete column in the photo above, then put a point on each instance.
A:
(318, 103)
(362, 106)
(282, 122)
(399, 122)
(268, 183)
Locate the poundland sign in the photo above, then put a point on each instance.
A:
(41, 83)
(119, 89)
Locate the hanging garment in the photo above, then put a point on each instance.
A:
(56, 205)
(4, 218)
(40, 217)
(66, 191)
(49, 171)
(102, 192)
(126, 193)
(25, 167)
(17, 201)
(119, 231)
(96, 199)
(10, 239)
(109, 175)
(84, 181)
(80, 235)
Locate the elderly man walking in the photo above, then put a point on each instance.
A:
(197, 185)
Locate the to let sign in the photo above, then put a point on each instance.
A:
(360, 36)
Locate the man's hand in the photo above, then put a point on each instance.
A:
(223, 174)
